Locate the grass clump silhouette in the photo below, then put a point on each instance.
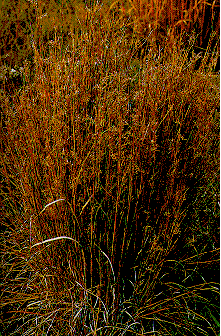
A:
(109, 173)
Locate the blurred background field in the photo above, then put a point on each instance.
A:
(165, 19)
(109, 171)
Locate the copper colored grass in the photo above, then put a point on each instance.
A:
(105, 163)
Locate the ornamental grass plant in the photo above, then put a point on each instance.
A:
(110, 185)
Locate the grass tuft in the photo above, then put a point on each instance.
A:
(110, 180)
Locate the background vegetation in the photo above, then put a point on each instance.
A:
(109, 168)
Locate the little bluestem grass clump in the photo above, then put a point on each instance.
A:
(110, 190)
